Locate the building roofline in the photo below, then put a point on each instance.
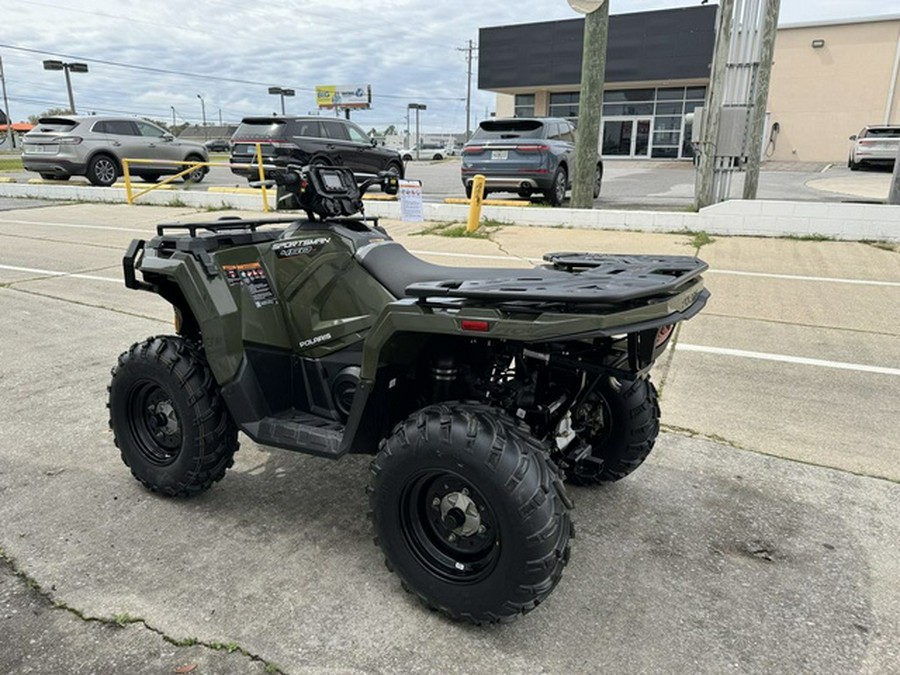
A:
(840, 22)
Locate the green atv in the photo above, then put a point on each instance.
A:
(478, 391)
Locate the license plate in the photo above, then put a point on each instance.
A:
(41, 149)
(499, 154)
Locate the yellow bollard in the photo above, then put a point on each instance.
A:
(262, 177)
(127, 171)
(475, 203)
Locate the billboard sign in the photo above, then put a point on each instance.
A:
(343, 96)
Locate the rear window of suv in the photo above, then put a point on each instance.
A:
(889, 132)
(267, 128)
(56, 124)
(509, 129)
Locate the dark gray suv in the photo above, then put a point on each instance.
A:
(524, 155)
(309, 140)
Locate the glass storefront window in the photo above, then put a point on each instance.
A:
(524, 105)
(618, 109)
(669, 108)
(696, 92)
(564, 104)
(667, 124)
(670, 94)
(666, 138)
(619, 95)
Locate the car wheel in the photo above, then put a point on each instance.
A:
(437, 157)
(395, 169)
(525, 193)
(149, 177)
(198, 173)
(598, 179)
(468, 191)
(854, 166)
(102, 170)
(556, 195)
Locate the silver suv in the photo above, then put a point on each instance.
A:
(61, 147)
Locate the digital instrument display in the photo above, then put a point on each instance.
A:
(332, 181)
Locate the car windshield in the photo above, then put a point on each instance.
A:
(262, 128)
(56, 124)
(509, 129)
(890, 132)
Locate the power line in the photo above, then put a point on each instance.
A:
(166, 71)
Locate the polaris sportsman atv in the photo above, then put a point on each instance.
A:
(478, 391)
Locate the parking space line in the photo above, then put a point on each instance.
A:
(55, 273)
(783, 358)
(795, 277)
(77, 226)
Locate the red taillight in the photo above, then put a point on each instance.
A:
(532, 148)
(472, 149)
(477, 326)
(663, 334)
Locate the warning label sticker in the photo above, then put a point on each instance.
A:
(253, 277)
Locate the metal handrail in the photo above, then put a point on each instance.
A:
(192, 165)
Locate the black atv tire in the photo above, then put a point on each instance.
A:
(168, 419)
(456, 467)
(631, 425)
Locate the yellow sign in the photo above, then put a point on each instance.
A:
(343, 96)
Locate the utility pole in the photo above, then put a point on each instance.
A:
(173, 116)
(9, 134)
(590, 101)
(761, 98)
(894, 194)
(469, 58)
(203, 112)
(712, 112)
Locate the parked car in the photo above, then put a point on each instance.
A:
(309, 140)
(218, 145)
(874, 145)
(70, 145)
(432, 152)
(524, 155)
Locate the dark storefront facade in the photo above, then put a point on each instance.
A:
(658, 67)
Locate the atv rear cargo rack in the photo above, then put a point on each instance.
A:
(601, 279)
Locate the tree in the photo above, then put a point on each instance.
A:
(53, 112)
(390, 131)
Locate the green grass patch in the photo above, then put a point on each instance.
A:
(456, 230)
(177, 202)
(883, 245)
(221, 207)
(11, 163)
(808, 237)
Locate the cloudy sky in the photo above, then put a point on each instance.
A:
(231, 51)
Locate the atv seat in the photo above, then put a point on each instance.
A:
(396, 268)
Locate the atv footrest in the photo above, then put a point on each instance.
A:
(301, 431)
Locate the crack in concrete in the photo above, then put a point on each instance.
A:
(734, 445)
(123, 619)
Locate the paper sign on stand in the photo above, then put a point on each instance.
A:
(410, 194)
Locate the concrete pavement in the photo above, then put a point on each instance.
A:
(713, 557)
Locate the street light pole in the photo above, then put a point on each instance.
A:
(203, 113)
(417, 107)
(173, 116)
(9, 122)
(280, 91)
(67, 68)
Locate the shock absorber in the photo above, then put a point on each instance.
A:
(444, 373)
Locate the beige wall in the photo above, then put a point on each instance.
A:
(821, 96)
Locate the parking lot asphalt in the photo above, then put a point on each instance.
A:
(630, 184)
(760, 536)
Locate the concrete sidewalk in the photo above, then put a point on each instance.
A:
(758, 537)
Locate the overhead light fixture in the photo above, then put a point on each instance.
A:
(818, 43)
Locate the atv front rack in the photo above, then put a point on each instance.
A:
(591, 279)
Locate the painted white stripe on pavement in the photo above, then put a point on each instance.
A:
(77, 226)
(740, 353)
(794, 277)
(54, 273)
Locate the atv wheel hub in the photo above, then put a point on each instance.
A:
(460, 514)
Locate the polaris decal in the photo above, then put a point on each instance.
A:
(311, 342)
(289, 249)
